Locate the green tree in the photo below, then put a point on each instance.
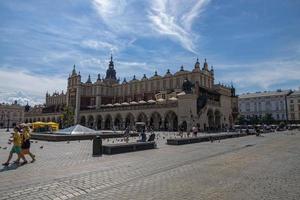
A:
(68, 116)
(268, 119)
(242, 120)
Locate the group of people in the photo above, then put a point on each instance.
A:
(21, 145)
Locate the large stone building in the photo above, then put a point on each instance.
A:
(261, 103)
(163, 102)
(11, 115)
(293, 102)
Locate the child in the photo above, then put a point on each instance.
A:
(16, 147)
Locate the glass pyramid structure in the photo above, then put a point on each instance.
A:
(76, 130)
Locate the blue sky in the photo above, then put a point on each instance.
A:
(253, 43)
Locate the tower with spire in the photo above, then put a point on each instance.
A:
(111, 72)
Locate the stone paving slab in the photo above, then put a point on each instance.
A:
(240, 168)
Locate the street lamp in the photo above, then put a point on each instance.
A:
(7, 130)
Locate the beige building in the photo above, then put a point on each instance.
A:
(293, 102)
(185, 98)
(11, 115)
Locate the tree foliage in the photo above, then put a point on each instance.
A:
(68, 116)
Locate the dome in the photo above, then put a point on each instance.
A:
(124, 104)
(173, 99)
(142, 102)
(133, 103)
(151, 101)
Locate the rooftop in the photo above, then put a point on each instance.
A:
(264, 94)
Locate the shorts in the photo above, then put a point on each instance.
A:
(25, 151)
(16, 149)
(26, 144)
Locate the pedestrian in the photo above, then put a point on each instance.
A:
(195, 131)
(16, 148)
(126, 134)
(25, 135)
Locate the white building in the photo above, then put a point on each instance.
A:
(293, 102)
(261, 103)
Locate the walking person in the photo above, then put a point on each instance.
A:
(126, 134)
(16, 148)
(195, 131)
(25, 136)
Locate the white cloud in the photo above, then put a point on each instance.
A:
(26, 86)
(263, 75)
(98, 45)
(174, 19)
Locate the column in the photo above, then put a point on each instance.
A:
(77, 108)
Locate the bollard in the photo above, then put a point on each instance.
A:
(97, 146)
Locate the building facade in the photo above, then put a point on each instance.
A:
(11, 115)
(260, 104)
(164, 102)
(293, 103)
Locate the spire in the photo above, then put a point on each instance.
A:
(111, 62)
(197, 64)
(205, 65)
(111, 72)
(155, 73)
(168, 71)
(181, 68)
(74, 71)
(99, 78)
(124, 81)
(212, 70)
(89, 79)
(134, 78)
(144, 77)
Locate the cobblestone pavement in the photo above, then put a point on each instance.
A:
(240, 168)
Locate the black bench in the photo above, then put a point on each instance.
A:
(205, 138)
(127, 147)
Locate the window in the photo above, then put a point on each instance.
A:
(268, 106)
(248, 107)
(292, 116)
(291, 101)
(292, 107)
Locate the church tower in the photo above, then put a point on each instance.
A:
(111, 72)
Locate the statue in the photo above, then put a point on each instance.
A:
(187, 86)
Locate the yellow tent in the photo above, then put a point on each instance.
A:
(45, 126)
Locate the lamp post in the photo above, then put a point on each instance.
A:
(7, 130)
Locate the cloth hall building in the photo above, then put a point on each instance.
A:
(164, 102)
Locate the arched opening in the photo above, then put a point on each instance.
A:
(26, 121)
(38, 119)
(129, 121)
(30, 120)
(90, 123)
(82, 121)
(43, 119)
(142, 117)
(210, 117)
(99, 122)
(184, 126)
(108, 122)
(48, 119)
(156, 121)
(118, 122)
(171, 121)
(53, 119)
(217, 120)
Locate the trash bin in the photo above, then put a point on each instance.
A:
(97, 146)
